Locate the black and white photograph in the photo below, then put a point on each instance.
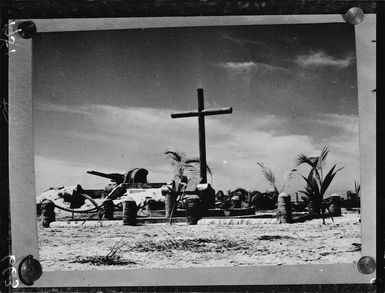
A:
(211, 146)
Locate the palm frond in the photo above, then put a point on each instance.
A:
(312, 187)
(317, 176)
(303, 159)
(269, 176)
(184, 166)
(197, 161)
(308, 193)
(322, 158)
(328, 179)
(175, 156)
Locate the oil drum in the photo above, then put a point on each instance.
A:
(193, 213)
(284, 208)
(47, 212)
(109, 209)
(130, 210)
(335, 207)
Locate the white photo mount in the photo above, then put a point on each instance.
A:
(22, 179)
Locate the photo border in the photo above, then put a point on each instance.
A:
(22, 176)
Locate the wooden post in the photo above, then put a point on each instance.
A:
(202, 137)
(284, 208)
(201, 113)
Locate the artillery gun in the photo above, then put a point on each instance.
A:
(133, 186)
(134, 178)
(72, 199)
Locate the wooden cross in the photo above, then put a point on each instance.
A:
(201, 113)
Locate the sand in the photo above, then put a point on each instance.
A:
(181, 246)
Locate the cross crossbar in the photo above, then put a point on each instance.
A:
(206, 112)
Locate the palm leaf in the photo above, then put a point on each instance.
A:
(303, 159)
(312, 186)
(317, 176)
(310, 195)
(311, 174)
(193, 161)
(269, 176)
(175, 156)
(322, 158)
(314, 162)
(328, 179)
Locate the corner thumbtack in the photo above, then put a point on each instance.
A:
(354, 15)
(26, 29)
(30, 270)
(366, 265)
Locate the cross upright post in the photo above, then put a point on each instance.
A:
(201, 113)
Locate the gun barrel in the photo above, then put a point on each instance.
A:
(116, 177)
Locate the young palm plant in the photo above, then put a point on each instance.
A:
(316, 183)
(184, 169)
(184, 166)
(271, 180)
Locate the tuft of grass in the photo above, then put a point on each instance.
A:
(111, 258)
(274, 237)
(192, 245)
(357, 246)
(101, 260)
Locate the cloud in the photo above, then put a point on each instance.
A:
(345, 123)
(322, 59)
(250, 65)
(142, 134)
(65, 109)
(53, 172)
(243, 41)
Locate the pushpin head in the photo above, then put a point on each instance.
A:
(26, 29)
(366, 265)
(354, 15)
(29, 270)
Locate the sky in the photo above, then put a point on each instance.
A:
(103, 101)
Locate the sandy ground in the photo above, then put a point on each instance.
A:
(180, 245)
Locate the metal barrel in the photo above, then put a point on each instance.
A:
(335, 207)
(109, 209)
(193, 213)
(284, 208)
(116, 177)
(130, 210)
(48, 213)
